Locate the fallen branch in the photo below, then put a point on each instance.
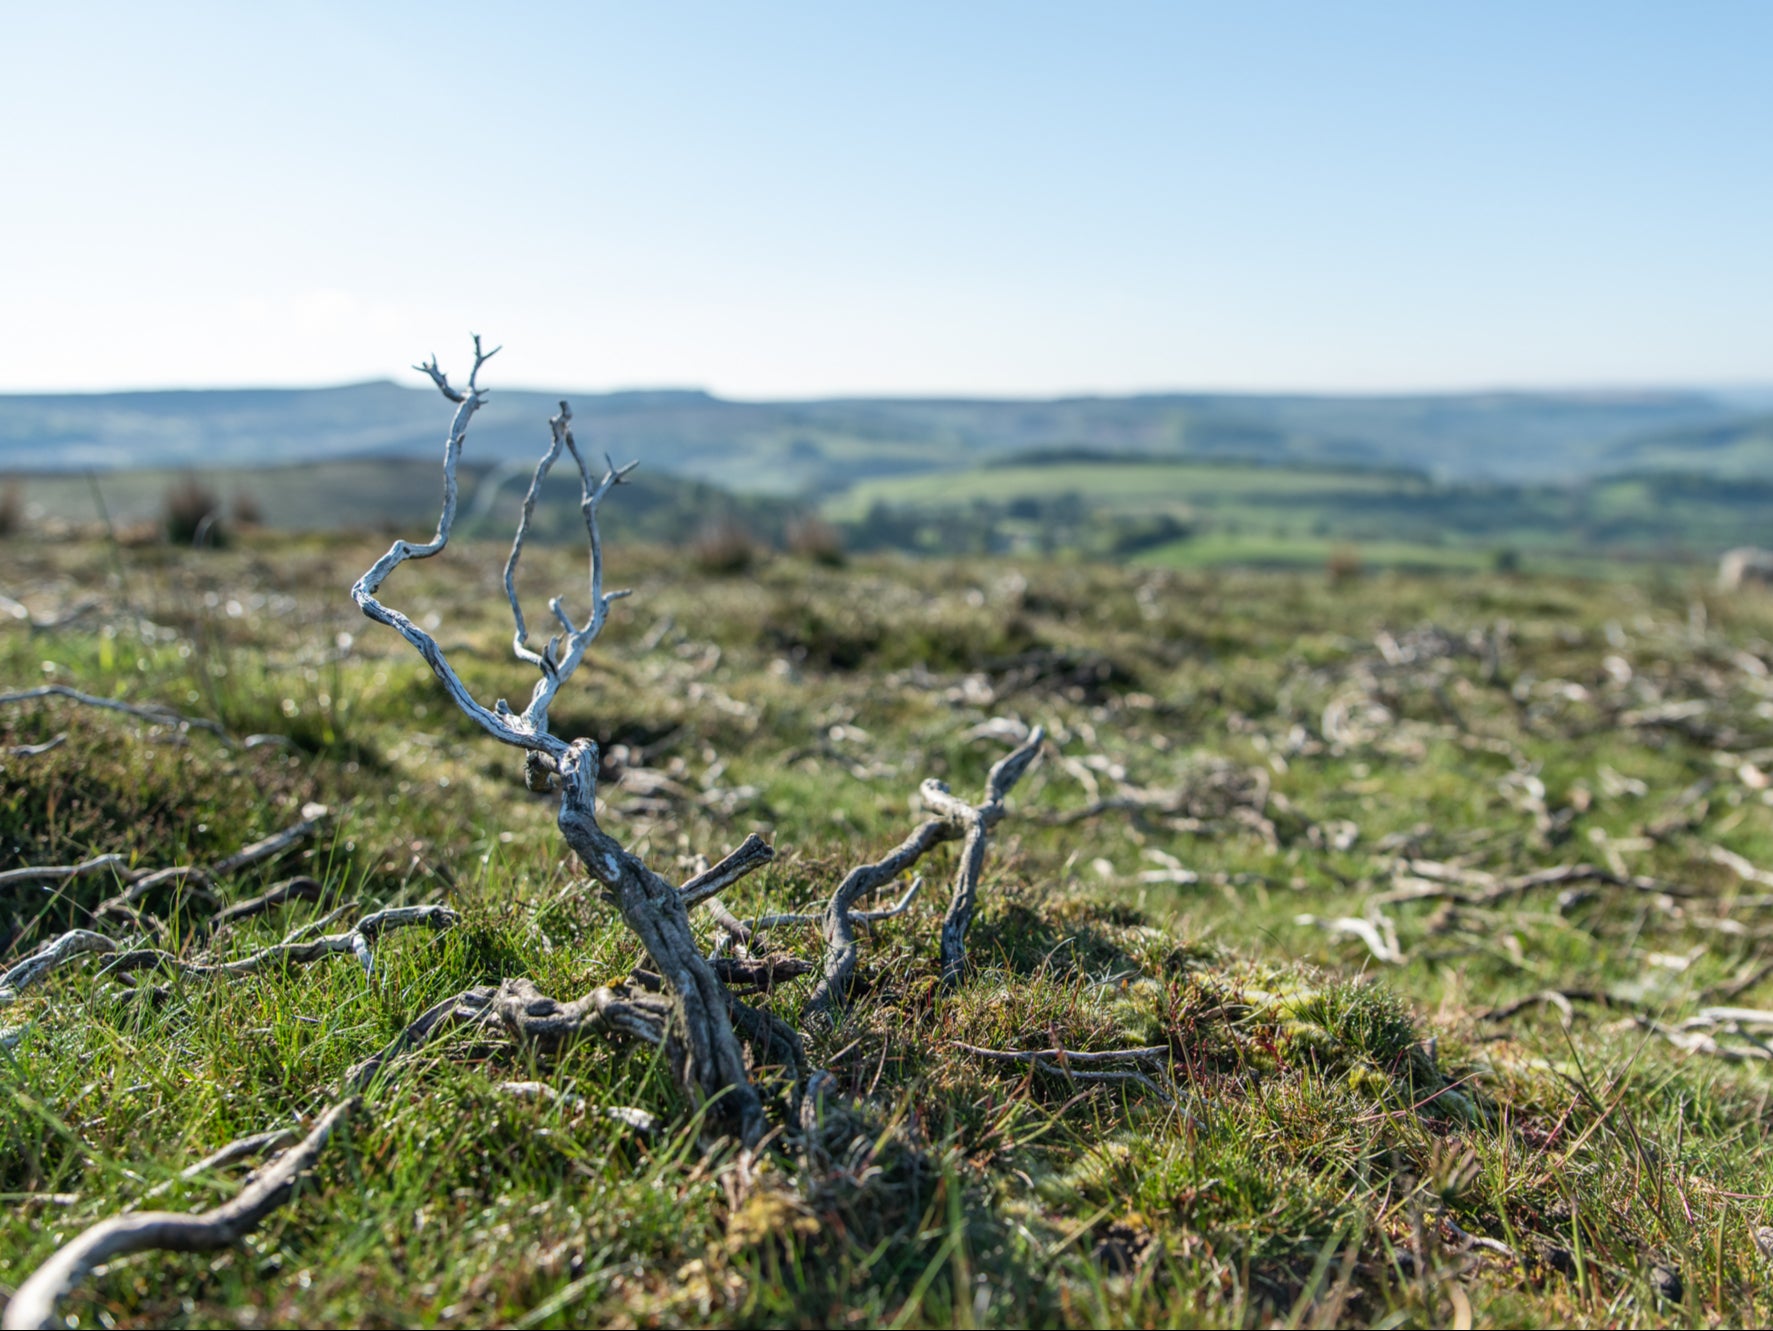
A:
(1081, 1066)
(642, 1122)
(742, 930)
(1562, 999)
(301, 888)
(139, 883)
(1427, 880)
(63, 873)
(152, 712)
(48, 957)
(355, 941)
(35, 1304)
(1380, 937)
(531, 1015)
(753, 853)
(471, 1007)
(37, 750)
(240, 1149)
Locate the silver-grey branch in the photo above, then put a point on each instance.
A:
(953, 820)
(706, 1056)
(35, 1304)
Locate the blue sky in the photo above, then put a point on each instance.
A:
(787, 200)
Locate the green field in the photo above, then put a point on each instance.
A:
(1442, 901)
(1190, 514)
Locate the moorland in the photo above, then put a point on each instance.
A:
(1444, 897)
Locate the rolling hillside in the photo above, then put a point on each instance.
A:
(825, 446)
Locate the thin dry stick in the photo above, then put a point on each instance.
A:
(1076, 1066)
(48, 957)
(1434, 882)
(300, 888)
(354, 941)
(242, 1148)
(743, 929)
(38, 750)
(154, 712)
(471, 1007)
(35, 1304)
(642, 1122)
(62, 873)
(139, 883)
(753, 853)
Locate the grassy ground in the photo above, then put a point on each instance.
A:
(1282, 830)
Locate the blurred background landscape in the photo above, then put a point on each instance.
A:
(1571, 482)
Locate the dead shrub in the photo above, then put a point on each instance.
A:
(817, 541)
(12, 507)
(191, 514)
(725, 547)
(1343, 565)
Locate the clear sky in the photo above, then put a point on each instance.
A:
(956, 197)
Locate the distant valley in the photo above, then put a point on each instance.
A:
(1582, 481)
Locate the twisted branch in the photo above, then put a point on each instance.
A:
(954, 820)
(48, 957)
(708, 1061)
(355, 941)
(34, 1306)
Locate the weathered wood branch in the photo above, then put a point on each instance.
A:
(753, 853)
(705, 1053)
(954, 820)
(354, 942)
(47, 958)
(36, 1303)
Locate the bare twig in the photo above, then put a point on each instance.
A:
(354, 941)
(35, 1304)
(1427, 880)
(743, 929)
(471, 1007)
(301, 888)
(47, 958)
(1379, 936)
(313, 817)
(1079, 1066)
(1157, 1053)
(954, 820)
(154, 712)
(194, 880)
(639, 1119)
(38, 750)
(753, 853)
(62, 873)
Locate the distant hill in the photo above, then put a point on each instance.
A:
(826, 446)
(1740, 448)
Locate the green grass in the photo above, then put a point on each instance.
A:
(1288, 741)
